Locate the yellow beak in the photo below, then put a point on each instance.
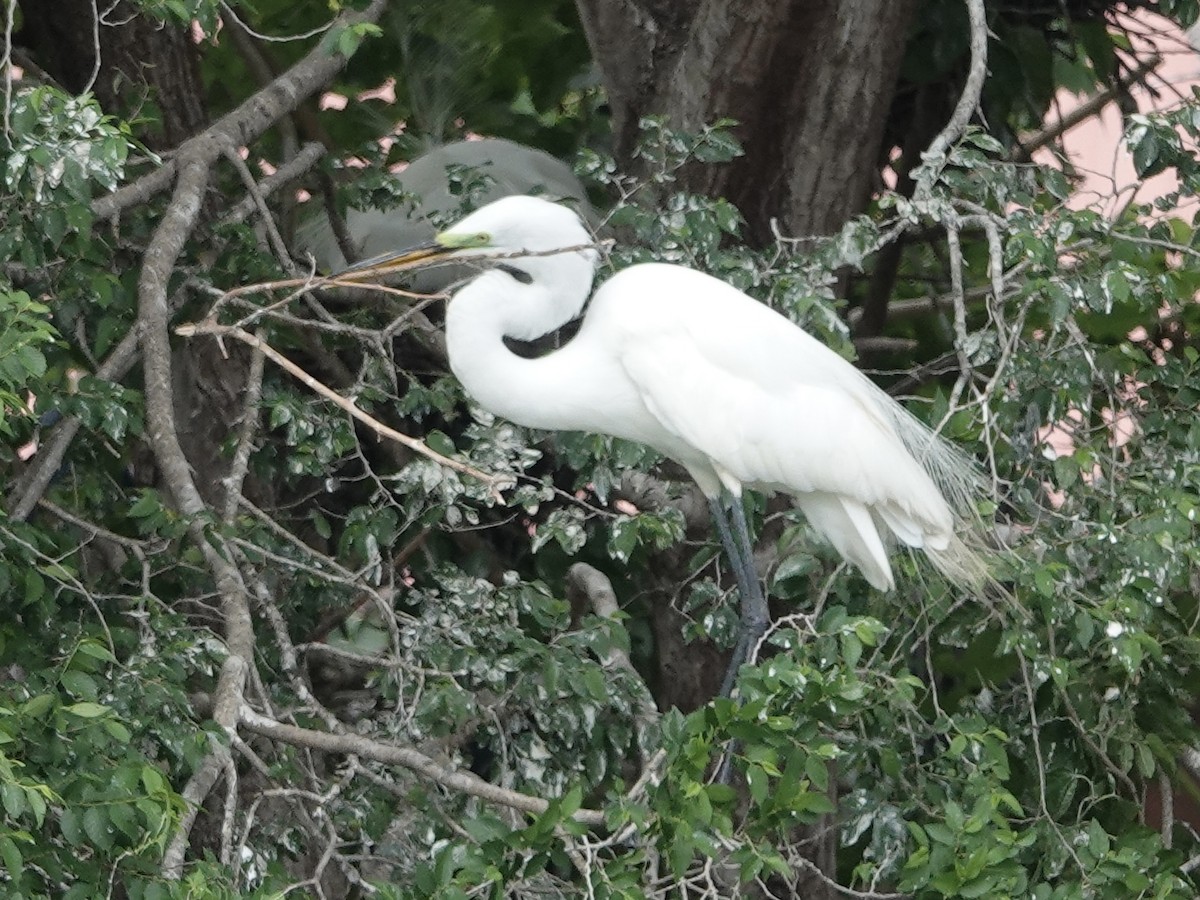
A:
(396, 260)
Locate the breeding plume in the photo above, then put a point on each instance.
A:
(687, 364)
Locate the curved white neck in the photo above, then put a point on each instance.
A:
(496, 305)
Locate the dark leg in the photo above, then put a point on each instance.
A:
(754, 614)
(732, 551)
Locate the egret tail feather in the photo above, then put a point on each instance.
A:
(962, 565)
(848, 525)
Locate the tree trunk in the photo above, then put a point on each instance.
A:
(809, 81)
(141, 61)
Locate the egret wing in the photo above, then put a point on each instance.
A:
(746, 340)
(788, 436)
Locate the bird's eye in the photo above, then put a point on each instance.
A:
(482, 239)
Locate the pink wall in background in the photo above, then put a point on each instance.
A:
(1109, 183)
(1095, 146)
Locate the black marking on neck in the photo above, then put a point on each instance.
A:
(547, 343)
(519, 274)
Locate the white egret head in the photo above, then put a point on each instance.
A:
(516, 225)
(514, 231)
(538, 260)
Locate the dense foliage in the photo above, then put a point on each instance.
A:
(492, 723)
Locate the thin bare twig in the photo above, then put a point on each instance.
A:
(810, 866)
(1025, 148)
(133, 544)
(495, 483)
(309, 155)
(241, 457)
(1167, 794)
(274, 238)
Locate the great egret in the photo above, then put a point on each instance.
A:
(724, 385)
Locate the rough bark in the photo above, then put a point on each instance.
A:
(809, 81)
(141, 60)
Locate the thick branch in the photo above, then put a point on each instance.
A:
(230, 688)
(249, 120)
(153, 316)
(165, 247)
(968, 102)
(236, 478)
(466, 782)
(595, 587)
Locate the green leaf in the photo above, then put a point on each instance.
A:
(37, 803)
(148, 504)
(153, 781)
(571, 801)
(96, 650)
(117, 731)
(1146, 152)
(80, 684)
(796, 565)
(1097, 839)
(70, 824)
(124, 817)
(38, 706)
(87, 710)
(97, 827)
(623, 538)
(13, 797)
(758, 783)
(682, 851)
(35, 587)
(14, 862)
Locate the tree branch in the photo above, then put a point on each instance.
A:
(274, 238)
(250, 119)
(228, 699)
(1025, 149)
(153, 316)
(193, 163)
(358, 745)
(337, 222)
(935, 156)
(592, 584)
(309, 156)
(493, 482)
(238, 470)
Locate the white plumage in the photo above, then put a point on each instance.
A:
(687, 364)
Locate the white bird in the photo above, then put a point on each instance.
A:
(735, 392)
